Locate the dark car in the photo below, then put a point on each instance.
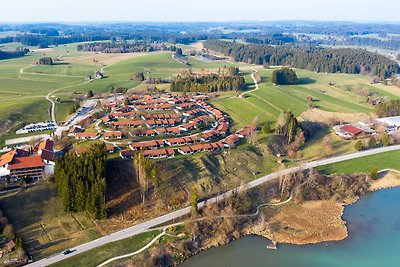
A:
(68, 251)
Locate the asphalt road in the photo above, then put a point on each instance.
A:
(143, 227)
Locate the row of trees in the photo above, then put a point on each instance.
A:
(145, 171)
(388, 108)
(122, 47)
(81, 181)
(13, 54)
(383, 140)
(310, 57)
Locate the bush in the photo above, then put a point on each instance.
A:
(373, 174)
(266, 128)
(359, 145)
(8, 232)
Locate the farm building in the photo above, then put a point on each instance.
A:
(391, 123)
(349, 131)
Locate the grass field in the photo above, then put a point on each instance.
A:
(22, 86)
(38, 217)
(98, 255)
(388, 160)
(268, 102)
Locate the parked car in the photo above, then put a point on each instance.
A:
(68, 251)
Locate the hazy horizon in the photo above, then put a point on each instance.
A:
(42, 11)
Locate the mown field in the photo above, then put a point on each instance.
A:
(268, 102)
(388, 160)
(23, 86)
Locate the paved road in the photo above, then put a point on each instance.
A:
(143, 227)
(20, 140)
(84, 111)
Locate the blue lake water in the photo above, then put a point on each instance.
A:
(374, 240)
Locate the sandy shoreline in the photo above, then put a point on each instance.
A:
(314, 222)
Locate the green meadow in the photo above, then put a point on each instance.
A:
(23, 86)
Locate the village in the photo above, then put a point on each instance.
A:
(160, 126)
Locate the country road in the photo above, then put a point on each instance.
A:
(145, 226)
(53, 106)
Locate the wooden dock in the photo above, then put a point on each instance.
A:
(272, 245)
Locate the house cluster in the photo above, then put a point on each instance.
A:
(171, 119)
(34, 163)
(366, 129)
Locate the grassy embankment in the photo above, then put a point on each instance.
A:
(38, 218)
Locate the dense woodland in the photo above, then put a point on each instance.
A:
(227, 79)
(123, 47)
(81, 181)
(272, 39)
(313, 58)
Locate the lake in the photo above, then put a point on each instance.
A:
(374, 240)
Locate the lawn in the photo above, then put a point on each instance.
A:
(38, 217)
(98, 255)
(331, 92)
(63, 109)
(388, 160)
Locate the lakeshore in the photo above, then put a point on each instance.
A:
(294, 224)
(372, 222)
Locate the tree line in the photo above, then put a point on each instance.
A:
(123, 47)
(272, 39)
(13, 54)
(81, 181)
(310, 57)
(227, 79)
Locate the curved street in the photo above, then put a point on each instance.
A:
(143, 227)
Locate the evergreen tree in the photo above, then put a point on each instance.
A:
(90, 94)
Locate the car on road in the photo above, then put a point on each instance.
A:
(68, 251)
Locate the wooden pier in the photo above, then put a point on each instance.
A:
(272, 245)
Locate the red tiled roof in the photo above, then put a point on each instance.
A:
(113, 134)
(26, 162)
(127, 153)
(7, 158)
(351, 129)
(82, 150)
(47, 155)
(159, 152)
(127, 122)
(86, 135)
(46, 144)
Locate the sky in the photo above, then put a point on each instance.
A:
(197, 11)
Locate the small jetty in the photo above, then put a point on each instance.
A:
(272, 245)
